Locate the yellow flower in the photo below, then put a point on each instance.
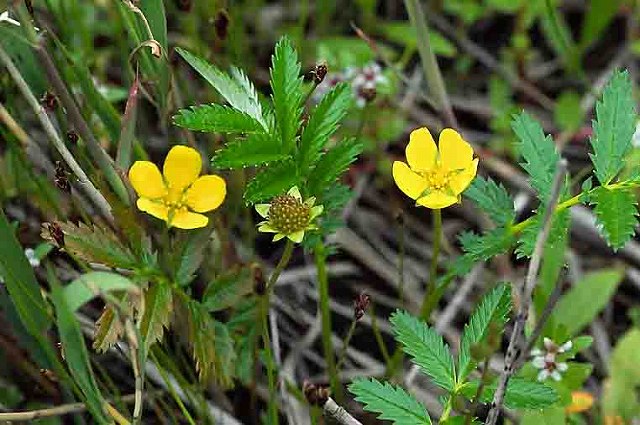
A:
(436, 176)
(288, 216)
(180, 195)
(581, 401)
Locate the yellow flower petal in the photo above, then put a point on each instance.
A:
(462, 180)
(182, 167)
(411, 183)
(421, 151)
(455, 153)
(437, 200)
(184, 219)
(296, 236)
(147, 180)
(156, 209)
(206, 193)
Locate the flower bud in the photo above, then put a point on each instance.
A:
(360, 305)
(49, 101)
(315, 395)
(61, 180)
(319, 72)
(221, 24)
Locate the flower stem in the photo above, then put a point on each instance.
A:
(431, 292)
(325, 313)
(345, 344)
(266, 340)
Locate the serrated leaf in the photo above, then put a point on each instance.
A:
(256, 149)
(231, 89)
(186, 256)
(217, 119)
(332, 164)
(488, 245)
(539, 153)
(529, 235)
(617, 214)
(493, 199)
(613, 127)
(76, 356)
(521, 393)
(391, 403)
(97, 244)
(227, 290)
(286, 86)
(158, 308)
(591, 294)
(211, 343)
(323, 122)
(426, 347)
(272, 181)
(493, 308)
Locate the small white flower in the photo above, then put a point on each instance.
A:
(545, 360)
(31, 256)
(365, 82)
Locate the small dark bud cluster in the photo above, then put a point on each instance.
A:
(288, 214)
(61, 179)
(360, 305)
(221, 24)
(49, 101)
(184, 5)
(319, 72)
(72, 137)
(53, 231)
(316, 395)
(367, 93)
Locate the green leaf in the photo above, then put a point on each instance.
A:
(493, 199)
(272, 181)
(596, 19)
(75, 354)
(158, 308)
(217, 118)
(550, 416)
(568, 113)
(613, 128)
(256, 149)
(332, 164)
(286, 86)
(493, 308)
(108, 329)
(426, 347)
(212, 345)
(617, 214)
(391, 403)
(529, 235)
(591, 294)
(539, 153)
(97, 244)
(553, 261)
(620, 393)
(187, 254)
(227, 290)
(488, 245)
(237, 92)
(92, 284)
(21, 282)
(322, 123)
(521, 393)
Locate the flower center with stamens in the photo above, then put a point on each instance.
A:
(437, 178)
(288, 215)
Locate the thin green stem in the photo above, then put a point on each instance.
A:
(172, 390)
(378, 336)
(432, 293)
(425, 311)
(266, 339)
(345, 344)
(325, 313)
(475, 401)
